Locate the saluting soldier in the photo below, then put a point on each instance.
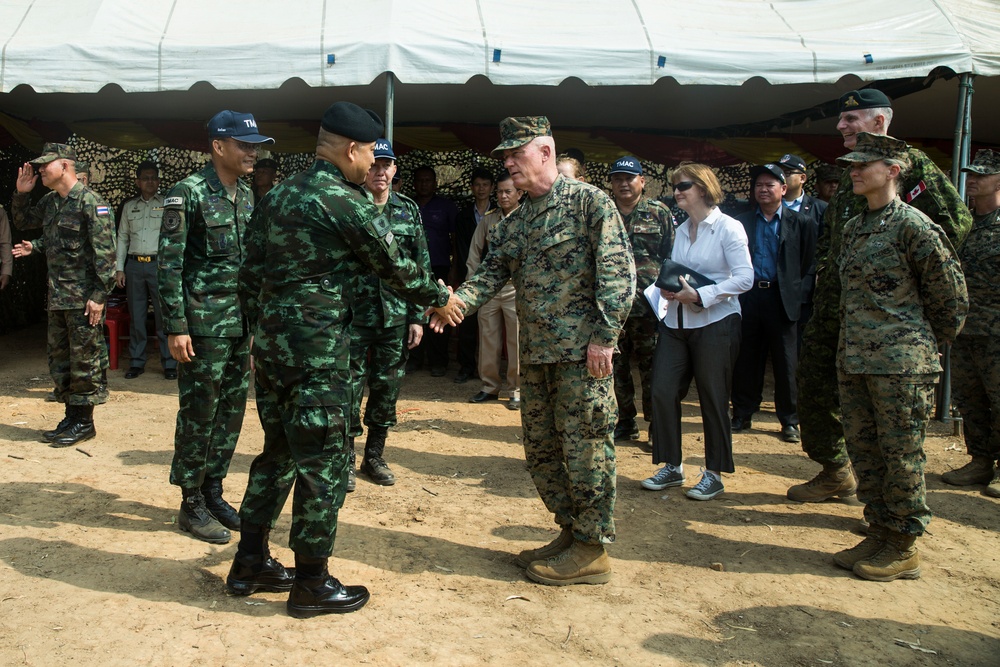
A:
(309, 240)
(201, 248)
(79, 244)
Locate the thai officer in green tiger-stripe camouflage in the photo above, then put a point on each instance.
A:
(650, 228)
(385, 325)
(568, 256)
(201, 248)
(903, 295)
(925, 188)
(975, 356)
(78, 242)
(310, 239)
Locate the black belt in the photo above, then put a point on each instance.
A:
(143, 258)
(765, 284)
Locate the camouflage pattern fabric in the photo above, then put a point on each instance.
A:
(927, 189)
(382, 371)
(77, 357)
(636, 347)
(201, 250)
(302, 411)
(975, 356)
(78, 241)
(568, 417)
(904, 293)
(212, 392)
(885, 420)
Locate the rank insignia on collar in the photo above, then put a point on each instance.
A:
(850, 102)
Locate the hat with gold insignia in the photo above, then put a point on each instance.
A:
(868, 98)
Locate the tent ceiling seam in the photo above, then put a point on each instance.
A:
(3, 56)
(159, 47)
(649, 42)
(486, 40)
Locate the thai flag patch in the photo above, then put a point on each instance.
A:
(912, 194)
(103, 210)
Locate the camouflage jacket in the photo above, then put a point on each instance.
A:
(924, 187)
(376, 304)
(309, 241)
(650, 228)
(201, 250)
(78, 239)
(904, 293)
(980, 255)
(570, 260)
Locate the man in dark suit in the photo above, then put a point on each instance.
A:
(782, 247)
(794, 168)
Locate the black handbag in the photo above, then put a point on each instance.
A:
(670, 273)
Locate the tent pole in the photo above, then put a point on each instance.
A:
(390, 103)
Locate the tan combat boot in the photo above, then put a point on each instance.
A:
(977, 471)
(993, 488)
(831, 481)
(582, 563)
(897, 559)
(865, 549)
(550, 550)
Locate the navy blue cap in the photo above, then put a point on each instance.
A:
(349, 120)
(383, 149)
(626, 165)
(241, 126)
(769, 168)
(792, 162)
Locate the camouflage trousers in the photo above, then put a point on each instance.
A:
(637, 344)
(975, 385)
(378, 358)
(78, 359)
(568, 418)
(212, 392)
(303, 412)
(816, 377)
(885, 420)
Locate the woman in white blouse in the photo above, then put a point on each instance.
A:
(698, 333)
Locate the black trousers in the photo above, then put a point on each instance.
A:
(767, 331)
(707, 355)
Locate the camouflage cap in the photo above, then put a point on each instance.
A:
(871, 147)
(266, 163)
(517, 131)
(869, 98)
(828, 172)
(986, 163)
(52, 152)
(82, 167)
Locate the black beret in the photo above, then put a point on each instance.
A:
(349, 120)
(869, 98)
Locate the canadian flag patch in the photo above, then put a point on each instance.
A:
(912, 194)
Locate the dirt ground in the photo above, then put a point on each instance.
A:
(93, 570)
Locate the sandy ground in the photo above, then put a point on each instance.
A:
(93, 570)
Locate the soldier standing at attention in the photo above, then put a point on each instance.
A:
(138, 243)
(924, 187)
(650, 228)
(306, 246)
(568, 255)
(385, 325)
(903, 295)
(975, 357)
(201, 249)
(78, 240)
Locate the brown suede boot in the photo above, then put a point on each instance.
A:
(831, 481)
(550, 550)
(582, 563)
(865, 549)
(897, 559)
(977, 471)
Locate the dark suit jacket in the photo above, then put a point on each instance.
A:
(796, 255)
(813, 209)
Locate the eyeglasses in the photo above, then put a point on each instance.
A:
(244, 146)
(684, 186)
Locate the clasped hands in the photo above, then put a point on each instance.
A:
(687, 294)
(450, 314)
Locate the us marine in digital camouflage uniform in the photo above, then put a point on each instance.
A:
(903, 295)
(924, 187)
(308, 242)
(650, 228)
(385, 325)
(201, 248)
(568, 255)
(79, 244)
(975, 356)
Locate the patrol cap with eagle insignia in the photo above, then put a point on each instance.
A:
(54, 151)
(868, 98)
(349, 120)
(986, 163)
(516, 131)
(873, 147)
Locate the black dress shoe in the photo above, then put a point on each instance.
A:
(482, 396)
(438, 371)
(626, 430)
(326, 595)
(741, 424)
(463, 376)
(134, 372)
(256, 572)
(170, 374)
(514, 404)
(790, 433)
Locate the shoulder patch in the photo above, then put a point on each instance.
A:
(171, 220)
(173, 201)
(381, 225)
(103, 210)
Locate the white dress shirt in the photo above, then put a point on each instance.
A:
(721, 253)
